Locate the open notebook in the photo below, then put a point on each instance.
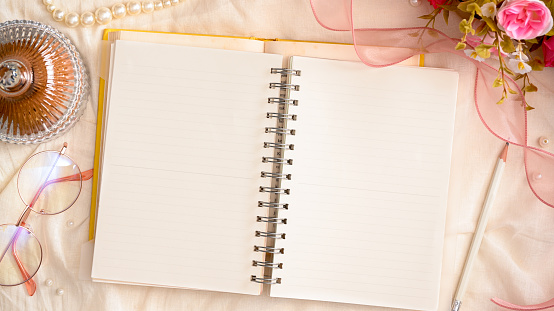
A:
(326, 179)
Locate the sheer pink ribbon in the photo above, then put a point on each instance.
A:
(380, 47)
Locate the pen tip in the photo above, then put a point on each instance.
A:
(504, 154)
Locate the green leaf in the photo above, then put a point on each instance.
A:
(428, 16)
(507, 45)
(482, 29)
(445, 14)
(532, 41)
(550, 33)
(511, 91)
(433, 33)
(528, 108)
(518, 77)
(470, 22)
(498, 82)
(474, 8)
(536, 64)
(463, 6)
(530, 88)
(490, 23)
(509, 71)
(460, 46)
(465, 27)
(484, 50)
(500, 101)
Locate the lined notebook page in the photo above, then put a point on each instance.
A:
(181, 167)
(369, 184)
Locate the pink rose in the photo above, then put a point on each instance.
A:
(548, 51)
(524, 19)
(436, 3)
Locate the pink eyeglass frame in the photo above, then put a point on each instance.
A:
(29, 283)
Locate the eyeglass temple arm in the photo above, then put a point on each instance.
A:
(30, 284)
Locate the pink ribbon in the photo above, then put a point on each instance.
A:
(540, 306)
(380, 47)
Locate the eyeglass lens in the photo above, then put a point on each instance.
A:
(49, 182)
(20, 255)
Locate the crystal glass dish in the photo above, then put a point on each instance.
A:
(43, 82)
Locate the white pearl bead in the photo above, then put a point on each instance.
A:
(47, 2)
(537, 176)
(148, 6)
(158, 5)
(103, 15)
(72, 19)
(133, 7)
(60, 291)
(50, 8)
(119, 10)
(70, 223)
(166, 3)
(87, 19)
(544, 141)
(174, 2)
(49, 282)
(415, 2)
(58, 15)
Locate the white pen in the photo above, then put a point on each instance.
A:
(481, 225)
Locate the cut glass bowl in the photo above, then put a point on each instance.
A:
(43, 82)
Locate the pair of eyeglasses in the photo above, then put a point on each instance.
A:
(48, 183)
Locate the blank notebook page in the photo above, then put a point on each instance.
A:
(370, 173)
(181, 167)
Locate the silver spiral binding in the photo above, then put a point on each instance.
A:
(271, 235)
(271, 250)
(285, 71)
(272, 220)
(276, 175)
(280, 130)
(273, 205)
(282, 116)
(253, 278)
(282, 101)
(267, 264)
(284, 86)
(275, 189)
(279, 146)
(276, 160)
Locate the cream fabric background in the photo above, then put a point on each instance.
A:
(515, 260)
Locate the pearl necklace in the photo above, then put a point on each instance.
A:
(105, 15)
